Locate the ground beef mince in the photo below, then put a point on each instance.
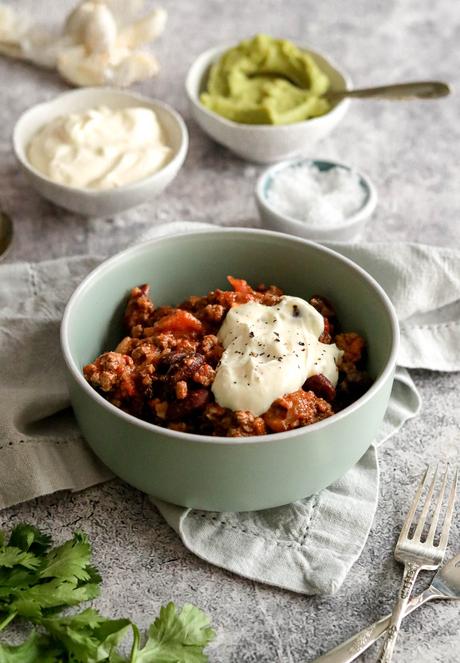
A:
(163, 369)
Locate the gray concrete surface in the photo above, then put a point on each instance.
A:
(410, 150)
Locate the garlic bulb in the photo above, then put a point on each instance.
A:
(98, 44)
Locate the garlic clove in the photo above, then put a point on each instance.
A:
(120, 68)
(100, 33)
(22, 40)
(43, 48)
(94, 25)
(144, 30)
(124, 11)
(77, 20)
(134, 67)
(80, 69)
(13, 27)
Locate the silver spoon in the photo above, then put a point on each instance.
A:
(420, 90)
(445, 585)
(6, 234)
(395, 91)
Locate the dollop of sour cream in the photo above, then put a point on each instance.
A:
(101, 148)
(270, 351)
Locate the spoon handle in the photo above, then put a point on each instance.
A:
(350, 650)
(419, 90)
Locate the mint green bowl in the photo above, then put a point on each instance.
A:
(217, 473)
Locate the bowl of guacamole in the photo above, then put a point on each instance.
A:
(264, 98)
(266, 81)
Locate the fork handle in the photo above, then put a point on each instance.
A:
(411, 571)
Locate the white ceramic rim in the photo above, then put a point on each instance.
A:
(363, 212)
(271, 438)
(210, 55)
(20, 149)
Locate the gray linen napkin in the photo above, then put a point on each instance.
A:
(308, 546)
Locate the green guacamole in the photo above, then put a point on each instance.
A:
(266, 81)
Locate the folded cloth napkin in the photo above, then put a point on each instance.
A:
(308, 546)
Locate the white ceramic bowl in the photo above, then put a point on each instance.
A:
(274, 219)
(263, 143)
(86, 201)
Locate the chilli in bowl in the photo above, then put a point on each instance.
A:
(234, 363)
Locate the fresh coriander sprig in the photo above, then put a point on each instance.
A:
(36, 581)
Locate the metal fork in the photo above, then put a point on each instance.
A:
(415, 554)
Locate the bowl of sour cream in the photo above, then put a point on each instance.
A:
(100, 151)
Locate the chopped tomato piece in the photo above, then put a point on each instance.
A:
(180, 321)
(240, 285)
(300, 408)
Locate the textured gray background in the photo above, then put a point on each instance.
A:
(410, 150)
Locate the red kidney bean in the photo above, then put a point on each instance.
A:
(321, 386)
(195, 400)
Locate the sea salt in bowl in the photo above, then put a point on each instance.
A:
(315, 199)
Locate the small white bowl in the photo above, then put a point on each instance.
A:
(86, 201)
(263, 143)
(347, 230)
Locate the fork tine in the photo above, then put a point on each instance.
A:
(426, 507)
(449, 513)
(437, 511)
(413, 507)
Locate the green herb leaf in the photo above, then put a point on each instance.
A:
(13, 579)
(28, 538)
(93, 575)
(36, 649)
(56, 593)
(13, 583)
(176, 637)
(69, 560)
(20, 559)
(89, 637)
(17, 573)
(11, 556)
